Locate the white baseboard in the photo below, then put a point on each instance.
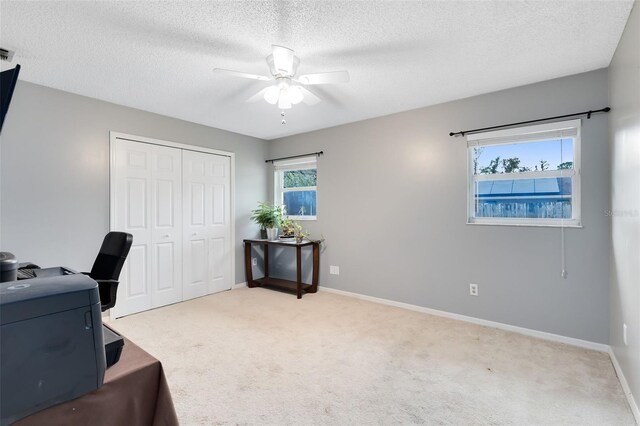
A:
(526, 331)
(625, 386)
(239, 285)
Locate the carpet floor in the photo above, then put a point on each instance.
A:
(257, 356)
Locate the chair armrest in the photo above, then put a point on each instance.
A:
(110, 282)
(108, 290)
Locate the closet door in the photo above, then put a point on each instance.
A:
(166, 232)
(207, 229)
(147, 203)
(131, 207)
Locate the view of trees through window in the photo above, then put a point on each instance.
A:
(300, 178)
(523, 157)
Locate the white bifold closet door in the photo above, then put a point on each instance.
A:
(176, 204)
(207, 227)
(148, 205)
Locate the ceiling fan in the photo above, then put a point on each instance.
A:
(284, 92)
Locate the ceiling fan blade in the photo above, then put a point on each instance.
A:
(258, 96)
(283, 59)
(309, 98)
(242, 74)
(325, 78)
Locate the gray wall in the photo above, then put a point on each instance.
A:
(379, 183)
(55, 172)
(392, 206)
(624, 295)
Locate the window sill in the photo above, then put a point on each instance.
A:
(304, 218)
(568, 224)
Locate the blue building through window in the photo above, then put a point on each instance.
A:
(300, 203)
(544, 198)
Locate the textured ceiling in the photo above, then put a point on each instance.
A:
(159, 56)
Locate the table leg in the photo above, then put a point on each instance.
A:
(299, 271)
(265, 247)
(247, 264)
(316, 268)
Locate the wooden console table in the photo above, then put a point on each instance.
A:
(298, 286)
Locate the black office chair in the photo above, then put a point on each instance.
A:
(106, 269)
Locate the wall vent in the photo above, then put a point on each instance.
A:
(6, 55)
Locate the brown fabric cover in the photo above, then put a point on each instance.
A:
(135, 392)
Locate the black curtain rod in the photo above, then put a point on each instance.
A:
(317, 154)
(577, 114)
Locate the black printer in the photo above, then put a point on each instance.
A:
(51, 343)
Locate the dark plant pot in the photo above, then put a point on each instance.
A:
(263, 234)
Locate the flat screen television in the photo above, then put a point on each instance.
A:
(8, 81)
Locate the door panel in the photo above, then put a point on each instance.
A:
(166, 161)
(165, 266)
(218, 170)
(197, 165)
(136, 203)
(167, 226)
(132, 195)
(219, 260)
(207, 182)
(164, 203)
(137, 158)
(219, 234)
(194, 182)
(219, 204)
(197, 203)
(137, 273)
(198, 262)
(148, 204)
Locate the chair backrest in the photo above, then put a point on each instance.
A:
(113, 253)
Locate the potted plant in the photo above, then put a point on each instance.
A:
(286, 228)
(293, 229)
(269, 218)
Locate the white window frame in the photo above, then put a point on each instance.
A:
(541, 132)
(302, 163)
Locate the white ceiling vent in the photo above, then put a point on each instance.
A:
(6, 55)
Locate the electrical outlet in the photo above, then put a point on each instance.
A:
(473, 289)
(334, 270)
(624, 334)
(254, 261)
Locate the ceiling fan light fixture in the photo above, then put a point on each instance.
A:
(284, 102)
(295, 94)
(272, 94)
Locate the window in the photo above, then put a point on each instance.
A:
(525, 176)
(296, 184)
